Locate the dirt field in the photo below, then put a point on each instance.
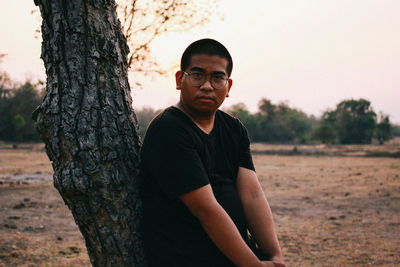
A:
(329, 211)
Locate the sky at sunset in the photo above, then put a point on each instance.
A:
(309, 53)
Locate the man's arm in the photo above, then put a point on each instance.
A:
(258, 214)
(220, 227)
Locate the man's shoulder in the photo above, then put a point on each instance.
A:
(230, 121)
(167, 118)
(226, 116)
(170, 123)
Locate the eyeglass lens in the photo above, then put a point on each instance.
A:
(217, 81)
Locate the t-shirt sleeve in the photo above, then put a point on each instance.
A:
(175, 164)
(245, 158)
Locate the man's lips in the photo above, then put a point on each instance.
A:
(206, 97)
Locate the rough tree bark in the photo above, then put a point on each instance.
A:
(89, 127)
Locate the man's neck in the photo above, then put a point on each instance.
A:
(205, 121)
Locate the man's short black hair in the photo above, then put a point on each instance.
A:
(207, 47)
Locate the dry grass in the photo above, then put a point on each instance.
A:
(37, 229)
(389, 149)
(334, 211)
(27, 159)
(329, 211)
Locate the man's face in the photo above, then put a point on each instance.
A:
(203, 99)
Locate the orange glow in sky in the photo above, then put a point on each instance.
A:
(310, 53)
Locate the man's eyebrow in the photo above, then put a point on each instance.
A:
(197, 69)
(219, 73)
(203, 70)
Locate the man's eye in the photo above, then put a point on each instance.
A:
(219, 78)
(196, 74)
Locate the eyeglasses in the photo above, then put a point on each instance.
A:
(196, 78)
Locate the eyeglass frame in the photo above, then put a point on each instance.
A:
(205, 76)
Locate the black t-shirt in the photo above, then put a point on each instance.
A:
(177, 158)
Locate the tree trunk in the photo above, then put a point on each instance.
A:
(89, 127)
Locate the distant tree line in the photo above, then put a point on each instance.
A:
(351, 122)
(274, 123)
(17, 102)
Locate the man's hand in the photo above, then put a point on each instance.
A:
(267, 264)
(278, 261)
(272, 264)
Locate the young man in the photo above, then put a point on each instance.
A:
(201, 195)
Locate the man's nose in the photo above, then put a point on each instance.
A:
(206, 85)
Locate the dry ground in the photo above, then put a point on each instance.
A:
(36, 228)
(334, 211)
(329, 211)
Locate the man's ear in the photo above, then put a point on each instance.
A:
(178, 79)
(229, 87)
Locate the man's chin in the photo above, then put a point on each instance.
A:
(203, 108)
(207, 110)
